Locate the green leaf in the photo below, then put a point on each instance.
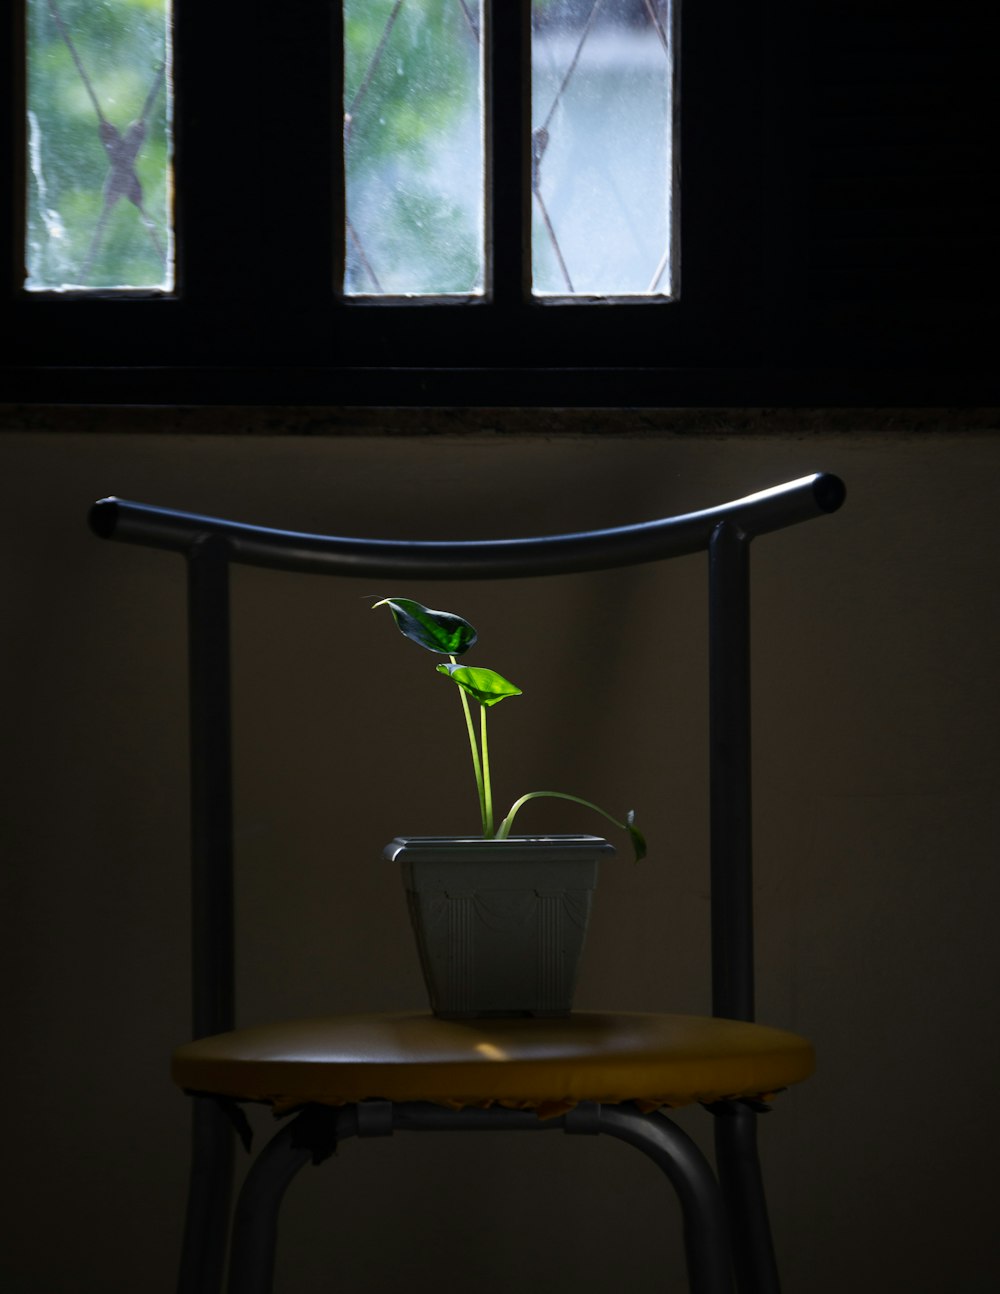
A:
(438, 631)
(486, 685)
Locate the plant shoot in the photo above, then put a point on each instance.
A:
(449, 635)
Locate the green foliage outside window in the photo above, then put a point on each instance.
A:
(413, 146)
(98, 144)
(100, 175)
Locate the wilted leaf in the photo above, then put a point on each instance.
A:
(635, 835)
(486, 685)
(438, 631)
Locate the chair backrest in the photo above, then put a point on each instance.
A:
(210, 544)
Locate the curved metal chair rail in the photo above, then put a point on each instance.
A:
(772, 509)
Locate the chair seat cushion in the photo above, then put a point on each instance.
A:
(543, 1064)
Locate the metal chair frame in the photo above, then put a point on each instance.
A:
(727, 1234)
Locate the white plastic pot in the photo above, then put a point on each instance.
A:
(500, 924)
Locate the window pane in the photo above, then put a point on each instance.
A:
(413, 147)
(99, 110)
(602, 157)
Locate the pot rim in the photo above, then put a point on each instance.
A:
(425, 846)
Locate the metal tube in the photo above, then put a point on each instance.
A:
(255, 1225)
(211, 788)
(743, 1190)
(422, 1116)
(706, 1235)
(769, 510)
(210, 1187)
(729, 766)
(212, 959)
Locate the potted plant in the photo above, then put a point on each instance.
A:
(500, 920)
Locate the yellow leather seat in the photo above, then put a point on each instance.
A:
(547, 1065)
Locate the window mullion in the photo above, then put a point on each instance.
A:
(218, 107)
(256, 159)
(300, 149)
(508, 151)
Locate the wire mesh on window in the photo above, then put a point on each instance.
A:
(602, 158)
(413, 147)
(98, 145)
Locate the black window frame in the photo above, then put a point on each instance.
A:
(739, 332)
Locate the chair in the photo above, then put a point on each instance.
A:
(585, 1074)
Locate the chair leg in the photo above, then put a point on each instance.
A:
(309, 1137)
(210, 1185)
(743, 1189)
(706, 1235)
(255, 1226)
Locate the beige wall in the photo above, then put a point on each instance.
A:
(876, 635)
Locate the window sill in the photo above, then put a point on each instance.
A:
(490, 422)
(333, 389)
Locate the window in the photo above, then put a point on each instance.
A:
(99, 144)
(602, 190)
(233, 271)
(807, 140)
(100, 93)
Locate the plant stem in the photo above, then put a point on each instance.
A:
(476, 766)
(487, 787)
